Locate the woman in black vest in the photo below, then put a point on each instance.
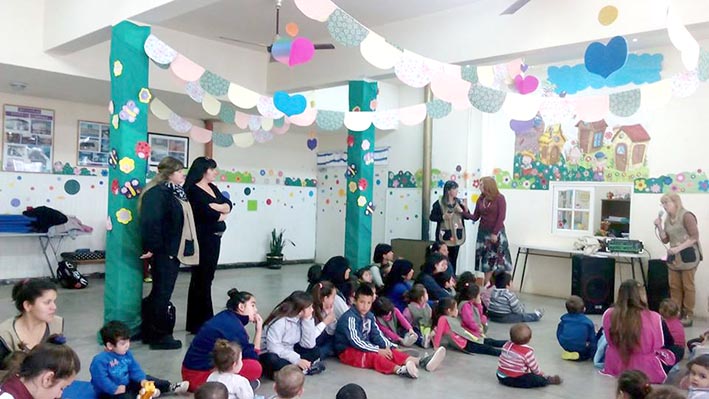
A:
(165, 224)
(210, 208)
(449, 213)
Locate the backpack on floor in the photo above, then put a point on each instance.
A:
(69, 277)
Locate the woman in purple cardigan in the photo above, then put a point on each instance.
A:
(492, 250)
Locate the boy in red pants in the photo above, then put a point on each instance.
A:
(360, 343)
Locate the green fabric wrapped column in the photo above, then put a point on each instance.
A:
(360, 175)
(128, 66)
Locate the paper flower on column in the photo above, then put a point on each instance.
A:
(352, 186)
(114, 122)
(126, 165)
(144, 96)
(361, 201)
(117, 68)
(124, 216)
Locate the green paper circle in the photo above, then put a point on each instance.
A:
(469, 73)
(330, 120)
(438, 109)
(222, 139)
(625, 103)
(345, 29)
(703, 67)
(214, 84)
(486, 99)
(227, 113)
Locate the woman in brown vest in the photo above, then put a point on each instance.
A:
(35, 299)
(681, 232)
(449, 212)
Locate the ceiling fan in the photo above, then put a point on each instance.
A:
(515, 7)
(268, 47)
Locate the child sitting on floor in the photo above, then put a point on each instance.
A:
(671, 315)
(450, 332)
(116, 374)
(472, 318)
(419, 314)
(576, 333)
(699, 346)
(360, 343)
(289, 383)
(505, 307)
(351, 391)
(393, 323)
(633, 384)
(212, 390)
(364, 275)
(447, 281)
(518, 366)
(227, 361)
(697, 381)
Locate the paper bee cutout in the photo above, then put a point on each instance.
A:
(351, 170)
(369, 210)
(113, 158)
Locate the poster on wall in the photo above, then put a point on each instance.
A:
(93, 144)
(163, 145)
(28, 139)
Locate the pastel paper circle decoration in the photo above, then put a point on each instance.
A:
(254, 123)
(684, 84)
(280, 128)
(243, 140)
(289, 105)
(211, 105)
(266, 124)
(521, 107)
(262, 136)
(214, 84)
(242, 97)
(378, 52)
(306, 118)
(625, 103)
(469, 73)
(200, 135)
(227, 113)
(178, 124)
(158, 51)
(345, 29)
(330, 120)
(159, 109)
(195, 91)
(242, 120)
(301, 51)
(486, 99)
(186, 69)
(526, 84)
(412, 115)
(603, 60)
(318, 10)
(386, 120)
(703, 66)
(438, 109)
(267, 108)
(590, 108)
(607, 15)
(411, 69)
(358, 121)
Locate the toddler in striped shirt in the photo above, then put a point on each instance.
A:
(518, 366)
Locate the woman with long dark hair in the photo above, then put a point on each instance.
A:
(435, 265)
(637, 337)
(449, 213)
(211, 209)
(492, 250)
(398, 282)
(337, 271)
(167, 229)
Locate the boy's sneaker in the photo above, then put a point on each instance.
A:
(255, 384)
(554, 380)
(410, 339)
(432, 361)
(539, 312)
(570, 355)
(408, 370)
(180, 387)
(316, 367)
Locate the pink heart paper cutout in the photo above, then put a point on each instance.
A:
(301, 51)
(527, 84)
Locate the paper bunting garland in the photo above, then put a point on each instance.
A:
(318, 10)
(469, 73)
(656, 95)
(289, 104)
(684, 84)
(438, 109)
(703, 66)
(211, 105)
(261, 136)
(411, 69)
(358, 121)
(158, 51)
(379, 53)
(306, 118)
(345, 29)
(214, 84)
(266, 124)
(486, 99)
(178, 124)
(282, 129)
(200, 135)
(186, 69)
(243, 140)
(386, 120)
(625, 103)
(330, 120)
(254, 123)
(413, 115)
(227, 113)
(521, 107)
(682, 40)
(195, 91)
(591, 108)
(242, 97)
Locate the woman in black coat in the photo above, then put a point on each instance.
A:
(164, 214)
(210, 209)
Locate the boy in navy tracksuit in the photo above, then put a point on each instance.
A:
(116, 374)
(360, 343)
(576, 332)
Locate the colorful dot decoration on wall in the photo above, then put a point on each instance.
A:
(72, 187)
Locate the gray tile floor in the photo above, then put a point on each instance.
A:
(460, 376)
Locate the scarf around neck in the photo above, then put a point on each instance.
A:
(177, 190)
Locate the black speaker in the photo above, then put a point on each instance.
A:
(593, 279)
(658, 287)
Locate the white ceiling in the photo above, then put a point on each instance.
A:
(254, 20)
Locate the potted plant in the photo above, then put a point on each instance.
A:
(274, 258)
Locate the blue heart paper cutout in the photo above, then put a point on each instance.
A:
(289, 105)
(603, 60)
